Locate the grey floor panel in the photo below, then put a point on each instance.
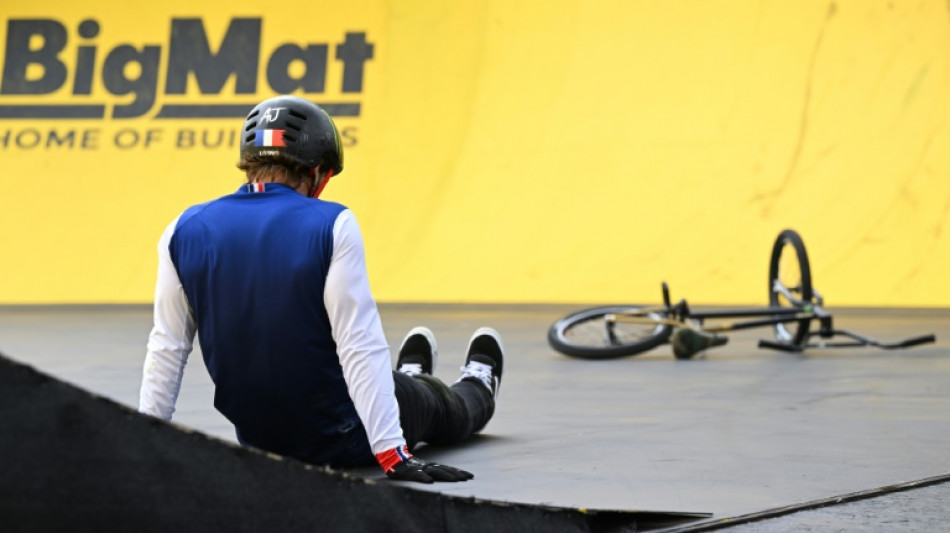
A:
(736, 431)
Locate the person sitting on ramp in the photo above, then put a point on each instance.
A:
(273, 280)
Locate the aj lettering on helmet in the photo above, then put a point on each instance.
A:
(271, 114)
(189, 52)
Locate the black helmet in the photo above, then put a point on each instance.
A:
(294, 127)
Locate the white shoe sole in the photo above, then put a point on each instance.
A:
(430, 337)
(491, 332)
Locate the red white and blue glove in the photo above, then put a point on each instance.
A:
(401, 465)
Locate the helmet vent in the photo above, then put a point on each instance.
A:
(297, 114)
(293, 125)
(291, 138)
(250, 126)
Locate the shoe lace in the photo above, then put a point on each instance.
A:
(411, 369)
(479, 371)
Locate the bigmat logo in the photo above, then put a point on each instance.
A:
(45, 63)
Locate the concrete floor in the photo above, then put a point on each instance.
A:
(737, 431)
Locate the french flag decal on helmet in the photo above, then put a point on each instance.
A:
(269, 138)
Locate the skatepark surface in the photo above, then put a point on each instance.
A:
(839, 439)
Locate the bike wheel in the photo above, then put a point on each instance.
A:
(601, 332)
(790, 284)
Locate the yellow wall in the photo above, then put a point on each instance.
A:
(531, 151)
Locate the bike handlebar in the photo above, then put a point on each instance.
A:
(914, 341)
(857, 341)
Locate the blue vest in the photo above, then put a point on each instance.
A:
(253, 266)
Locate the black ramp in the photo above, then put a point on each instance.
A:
(73, 461)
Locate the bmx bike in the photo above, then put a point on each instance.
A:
(608, 332)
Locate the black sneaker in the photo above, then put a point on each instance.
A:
(485, 359)
(418, 352)
(689, 342)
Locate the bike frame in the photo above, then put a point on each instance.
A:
(682, 315)
(775, 315)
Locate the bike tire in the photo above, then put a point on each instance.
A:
(576, 334)
(786, 242)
